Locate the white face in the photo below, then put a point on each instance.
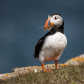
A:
(57, 20)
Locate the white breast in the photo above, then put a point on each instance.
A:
(53, 47)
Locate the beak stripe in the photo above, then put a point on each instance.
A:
(46, 24)
(49, 22)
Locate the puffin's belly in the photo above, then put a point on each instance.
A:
(53, 47)
(56, 41)
(51, 54)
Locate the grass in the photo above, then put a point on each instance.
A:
(65, 75)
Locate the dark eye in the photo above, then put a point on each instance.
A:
(55, 18)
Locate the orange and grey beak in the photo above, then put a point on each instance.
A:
(48, 24)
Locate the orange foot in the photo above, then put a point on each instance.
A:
(56, 64)
(46, 70)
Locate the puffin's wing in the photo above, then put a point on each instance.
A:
(38, 47)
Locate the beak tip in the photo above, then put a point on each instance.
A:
(44, 28)
(47, 25)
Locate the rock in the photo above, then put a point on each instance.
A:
(75, 61)
(24, 70)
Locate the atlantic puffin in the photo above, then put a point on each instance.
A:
(52, 44)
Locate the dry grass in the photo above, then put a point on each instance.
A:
(65, 75)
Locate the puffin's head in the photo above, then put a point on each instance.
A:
(54, 20)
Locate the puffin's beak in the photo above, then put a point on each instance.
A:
(47, 24)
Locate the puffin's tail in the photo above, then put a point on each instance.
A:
(35, 55)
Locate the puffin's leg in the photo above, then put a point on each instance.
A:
(56, 64)
(45, 69)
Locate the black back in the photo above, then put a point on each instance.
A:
(40, 42)
(54, 14)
